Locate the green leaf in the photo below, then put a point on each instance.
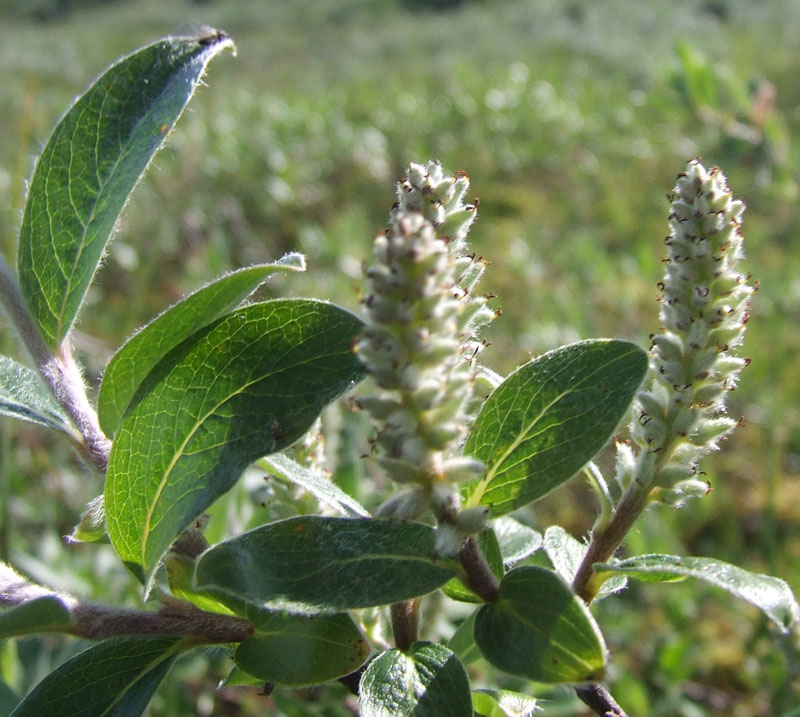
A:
(426, 681)
(566, 555)
(462, 641)
(114, 677)
(137, 357)
(503, 703)
(298, 650)
(237, 677)
(517, 541)
(548, 418)
(24, 395)
(455, 589)
(247, 385)
(91, 527)
(770, 595)
(90, 166)
(44, 614)
(313, 564)
(540, 630)
(180, 577)
(321, 487)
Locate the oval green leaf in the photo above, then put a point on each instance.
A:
(245, 386)
(90, 166)
(23, 395)
(48, 613)
(539, 629)
(298, 650)
(770, 595)
(116, 677)
(137, 357)
(312, 564)
(426, 681)
(549, 418)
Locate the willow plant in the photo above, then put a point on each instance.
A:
(217, 382)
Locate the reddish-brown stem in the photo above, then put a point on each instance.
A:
(479, 576)
(405, 623)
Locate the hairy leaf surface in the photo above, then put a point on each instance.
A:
(313, 564)
(298, 650)
(23, 395)
(770, 595)
(90, 166)
(549, 418)
(245, 386)
(44, 614)
(137, 357)
(426, 681)
(540, 629)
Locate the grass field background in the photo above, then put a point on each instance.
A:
(572, 119)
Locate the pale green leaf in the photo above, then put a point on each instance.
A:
(137, 357)
(503, 703)
(539, 629)
(770, 595)
(44, 614)
(517, 541)
(313, 564)
(247, 385)
(426, 681)
(89, 167)
(321, 487)
(23, 395)
(549, 418)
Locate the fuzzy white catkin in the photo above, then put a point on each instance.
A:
(421, 340)
(704, 310)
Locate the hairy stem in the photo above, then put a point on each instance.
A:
(59, 371)
(97, 622)
(599, 700)
(480, 578)
(606, 540)
(405, 623)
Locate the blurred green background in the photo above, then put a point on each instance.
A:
(572, 119)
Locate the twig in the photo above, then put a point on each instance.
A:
(96, 622)
(405, 623)
(480, 578)
(59, 371)
(599, 700)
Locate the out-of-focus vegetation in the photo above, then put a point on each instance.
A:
(572, 119)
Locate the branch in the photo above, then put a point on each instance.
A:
(480, 578)
(59, 371)
(599, 699)
(97, 622)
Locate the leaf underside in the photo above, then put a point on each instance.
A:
(771, 595)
